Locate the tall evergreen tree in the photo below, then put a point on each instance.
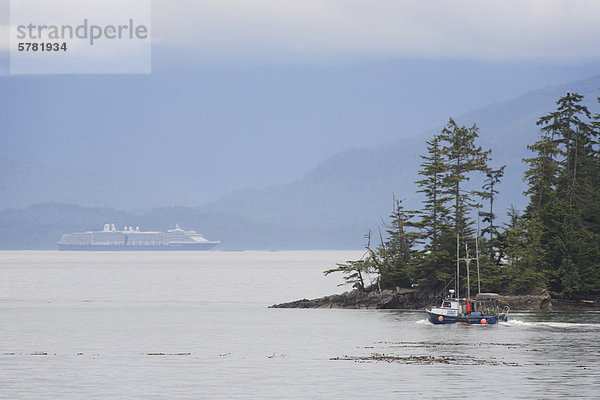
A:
(391, 260)
(492, 180)
(571, 135)
(562, 176)
(462, 158)
(452, 159)
(519, 261)
(542, 174)
(489, 240)
(394, 255)
(434, 214)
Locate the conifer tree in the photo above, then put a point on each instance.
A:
(394, 255)
(355, 272)
(571, 136)
(434, 214)
(391, 260)
(452, 159)
(462, 158)
(519, 261)
(492, 180)
(562, 178)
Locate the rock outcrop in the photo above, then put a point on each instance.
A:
(356, 299)
(412, 299)
(532, 302)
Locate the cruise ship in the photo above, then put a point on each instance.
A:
(130, 238)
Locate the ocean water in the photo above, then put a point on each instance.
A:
(196, 326)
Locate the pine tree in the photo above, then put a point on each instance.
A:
(355, 272)
(393, 257)
(434, 214)
(435, 270)
(462, 158)
(518, 259)
(571, 136)
(492, 180)
(563, 179)
(391, 260)
(452, 159)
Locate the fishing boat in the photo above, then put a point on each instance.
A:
(483, 310)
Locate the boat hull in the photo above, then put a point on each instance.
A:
(440, 319)
(478, 320)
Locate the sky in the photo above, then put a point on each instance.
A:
(253, 93)
(338, 31)
(317, 32)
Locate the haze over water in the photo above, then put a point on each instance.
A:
(196, 325)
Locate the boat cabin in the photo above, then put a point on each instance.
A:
(486, 303)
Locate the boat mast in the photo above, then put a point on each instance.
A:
(468, 262)
(477, 260)
(457, 266)
(477, 250)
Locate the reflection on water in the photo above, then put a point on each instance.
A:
(188, 326)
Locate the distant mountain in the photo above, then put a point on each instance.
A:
(189, 136)
(332, 206)
(23, 183)
(40, 226)
(356, 187)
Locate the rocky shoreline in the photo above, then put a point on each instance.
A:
(413, 299)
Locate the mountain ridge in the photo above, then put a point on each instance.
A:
(390, 169)
(335, 203)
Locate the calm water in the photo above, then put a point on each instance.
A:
(197, 326)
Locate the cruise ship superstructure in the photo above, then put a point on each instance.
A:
(130, 238)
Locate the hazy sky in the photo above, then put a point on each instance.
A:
(324, 31)
(251, 93)
(333, 31)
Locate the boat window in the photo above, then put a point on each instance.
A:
(446, 304)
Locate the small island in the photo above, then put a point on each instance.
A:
(546, 257)
(412, 299)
